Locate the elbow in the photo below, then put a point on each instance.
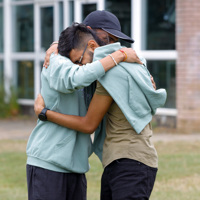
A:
(88, 126)
(89, 130)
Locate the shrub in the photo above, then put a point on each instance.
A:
(11, 108)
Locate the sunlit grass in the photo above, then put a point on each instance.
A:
(178, 175)
(12, 170)
(179, 171)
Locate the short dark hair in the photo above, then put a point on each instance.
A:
(75, 37)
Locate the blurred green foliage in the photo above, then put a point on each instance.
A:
(11, 108)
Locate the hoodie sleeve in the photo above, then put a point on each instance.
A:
(141, 92)
(64, 76)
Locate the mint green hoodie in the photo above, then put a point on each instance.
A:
(130, 86)
(54, 147)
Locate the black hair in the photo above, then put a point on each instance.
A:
(75, 37)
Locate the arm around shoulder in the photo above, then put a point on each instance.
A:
(66, 77)
(87, 124)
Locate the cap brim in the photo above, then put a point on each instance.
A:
(119, 34)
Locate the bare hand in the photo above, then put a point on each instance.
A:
(52, 49)
(153, 82)
(131, 55)
(39, 104)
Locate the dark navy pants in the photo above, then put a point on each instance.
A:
(126, 179)
(44, 184)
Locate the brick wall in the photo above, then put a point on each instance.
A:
(188, 65)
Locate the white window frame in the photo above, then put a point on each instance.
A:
(78, 7)
(36, 56)
(7, 47)
(138, 9)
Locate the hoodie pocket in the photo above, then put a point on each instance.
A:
(137, 99)
(63, 152)
(65, 141)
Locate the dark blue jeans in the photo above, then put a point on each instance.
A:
(126, 179)
(45, 184)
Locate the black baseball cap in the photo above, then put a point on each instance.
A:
(106, 21)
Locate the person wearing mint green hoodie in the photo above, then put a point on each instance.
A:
(57, 157)
(126, 95)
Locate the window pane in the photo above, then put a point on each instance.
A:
(164, 75)
(23, 34)
(71, 14)
(1, 29)
(61, 16)
(87, 9)
(160, 25)
(1, 74)
(122, 9)
(46, 27)
(24, 82)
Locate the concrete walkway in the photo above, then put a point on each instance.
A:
(22, 128)
(16, 128)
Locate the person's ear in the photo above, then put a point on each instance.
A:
(92, 45)
(89, 27)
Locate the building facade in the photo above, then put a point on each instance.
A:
(163, 31)
(188, 67)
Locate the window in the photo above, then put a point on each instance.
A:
(71, 14)
(24, 79)
(156, 41)
(160, 25)
(1, 29)
(46, 27)
(122, 9)
(87, 9)
(23, 34)
(61, 16)
(164, 75)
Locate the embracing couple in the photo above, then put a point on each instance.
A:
(93, 85)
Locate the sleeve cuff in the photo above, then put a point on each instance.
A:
(99, 70)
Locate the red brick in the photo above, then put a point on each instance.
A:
(188, 64)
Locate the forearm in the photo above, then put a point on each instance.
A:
(108, 62)
(87, 74)
(70, 121)
(86, 124)
(66, 76)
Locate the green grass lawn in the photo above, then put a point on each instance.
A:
(178, 176)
